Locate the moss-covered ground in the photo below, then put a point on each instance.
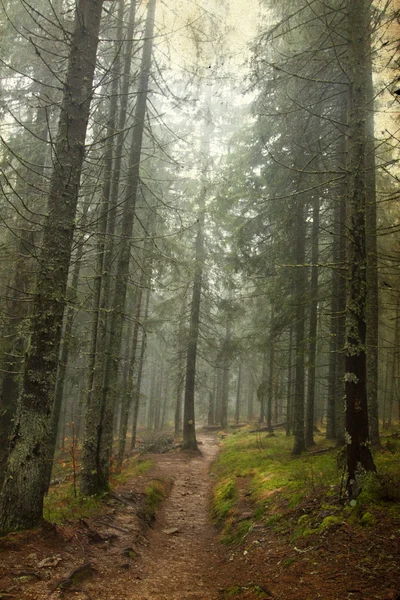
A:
(258, 481)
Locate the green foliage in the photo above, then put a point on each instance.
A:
(61, 505)
(367, 519)
(224, 499)
(155, 492)
(300, 496)
(133, 467)
(236, 532)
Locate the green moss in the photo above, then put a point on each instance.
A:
(235, 533)
(280, 487)
(288, 561)
(61, 505)
(224, 499)
(304, 519)
(367, 520)
(155, 493)
(238, 591)
(133, 467)
(233, 591)
(330, 521)
(273, 519)
(294, 500)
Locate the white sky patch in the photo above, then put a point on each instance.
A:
(207, 29)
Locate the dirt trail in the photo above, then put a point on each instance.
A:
(181, 556)
(182, 552)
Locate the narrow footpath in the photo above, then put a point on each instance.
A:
(181, 558)
(115, 555)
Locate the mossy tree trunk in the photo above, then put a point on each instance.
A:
(14, 343)
(98, 441)
(21, 499)
(64, 353)
(359, 457)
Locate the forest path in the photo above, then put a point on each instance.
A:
(114, 555)
(182, 554)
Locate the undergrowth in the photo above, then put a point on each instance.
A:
(155, 493)
(64, 502)
(296, 496)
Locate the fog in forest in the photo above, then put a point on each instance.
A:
(199, 231)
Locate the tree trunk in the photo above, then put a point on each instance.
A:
(189, 431)
(289, 390)
(189, 427)
(211, 409)
(263, 390)
(180, 374)
(138, 386)
(129, 394)
(341, 324)
(372, 307)
(359, 456)
(97, 447)
(225, 376)
(22, 496)
(105, 234)
(333, 348)
(312, 344)
(393, 369)
(250, 394)
(270, 388)
(17, 308)
(237, 406)
(299, 286)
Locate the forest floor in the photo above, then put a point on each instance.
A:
(123, 553)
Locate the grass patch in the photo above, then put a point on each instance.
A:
(64, 503)
(131, 468)
(235, 533)
(298, 496)
(224, 499)
(155, 492)
(61, 505)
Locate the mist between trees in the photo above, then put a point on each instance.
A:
(196, 228)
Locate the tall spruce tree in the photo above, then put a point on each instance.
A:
(21, 499)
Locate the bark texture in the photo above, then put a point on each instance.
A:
(312, 344)
(98, 440)
(359, 457)
(22, 495)
(299, 286)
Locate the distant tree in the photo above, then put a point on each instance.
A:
(189, 427)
